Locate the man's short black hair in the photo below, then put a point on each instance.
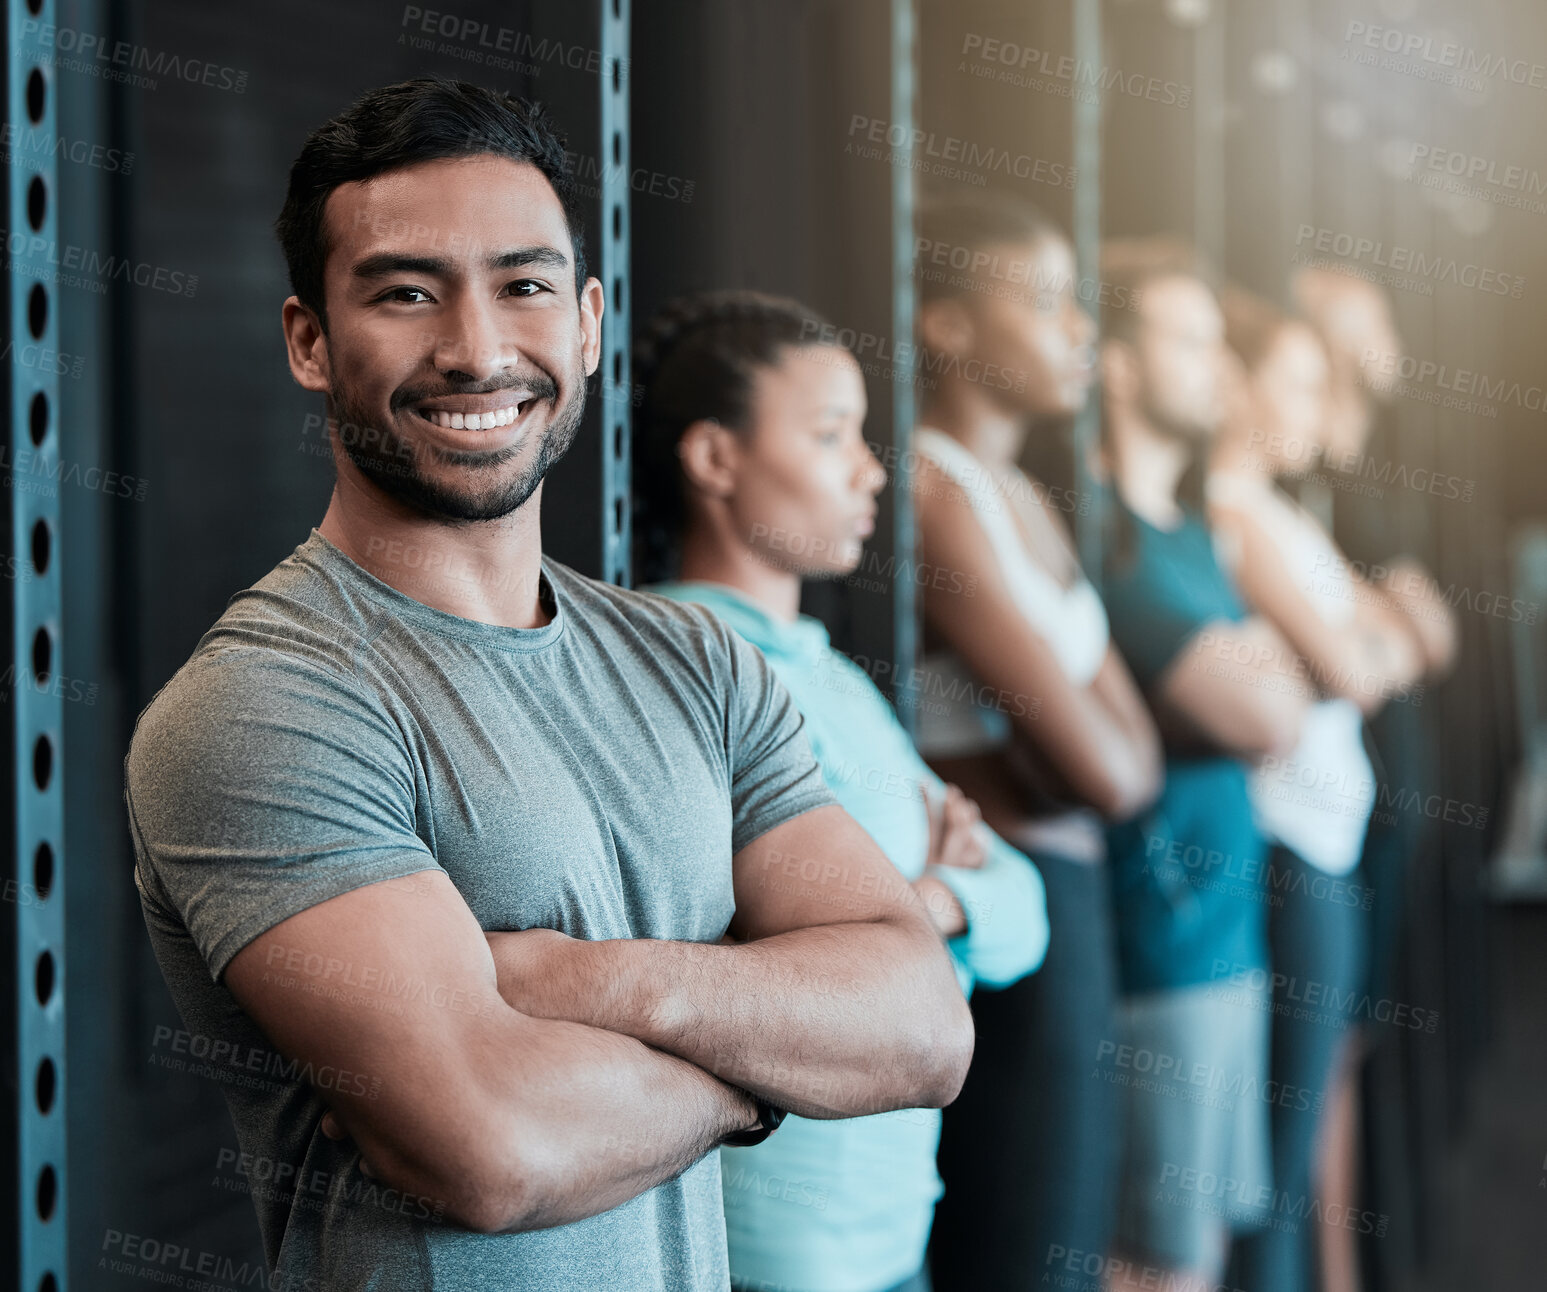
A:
(429, 118)
(1130, 266)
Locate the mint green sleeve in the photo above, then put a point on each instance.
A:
(1006, 909)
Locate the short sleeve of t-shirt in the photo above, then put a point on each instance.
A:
(258, 785)
(774, 776)
(1161, 592)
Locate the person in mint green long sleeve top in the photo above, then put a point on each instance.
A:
(879, 778)
(750, 458)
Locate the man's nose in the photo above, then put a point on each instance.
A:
(472, 341)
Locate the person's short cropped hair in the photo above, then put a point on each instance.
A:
(1129, 265)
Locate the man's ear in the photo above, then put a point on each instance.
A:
(711, 458)
(593, 304)
(306, 345)
(946, 327)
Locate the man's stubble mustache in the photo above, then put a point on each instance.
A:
(392, 464)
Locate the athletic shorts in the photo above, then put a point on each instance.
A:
(1197, 1160)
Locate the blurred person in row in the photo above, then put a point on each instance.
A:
(1188, 874)
(1027, 705)
(752, 462)
(1354, 320)
(1356, 650)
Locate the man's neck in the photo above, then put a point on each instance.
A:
(1148, 466)
(1236, 451)
(709, 558)
(965, 411)
(488, 571)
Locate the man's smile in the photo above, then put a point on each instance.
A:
(475, 412)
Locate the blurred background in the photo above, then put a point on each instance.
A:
(158, 457)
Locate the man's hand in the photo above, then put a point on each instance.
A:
(333, 1130)
(940, 904)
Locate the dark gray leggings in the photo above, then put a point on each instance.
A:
(1317, 935)
(1028, 1151)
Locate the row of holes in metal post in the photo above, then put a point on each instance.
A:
(46, 1082)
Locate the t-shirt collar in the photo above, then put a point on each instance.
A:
(805, 638)
(346, 568)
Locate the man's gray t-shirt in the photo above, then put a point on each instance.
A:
(594, 775)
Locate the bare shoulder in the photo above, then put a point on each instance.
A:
(940, 494)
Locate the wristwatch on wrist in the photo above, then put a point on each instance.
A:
(768, 1119)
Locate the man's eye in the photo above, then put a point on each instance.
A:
(527, 287)
(403, 293)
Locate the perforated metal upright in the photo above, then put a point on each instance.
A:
(32, 914)
(905, 607)
(617, 383)
(1087, 249)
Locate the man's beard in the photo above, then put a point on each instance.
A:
(393, 464)
(1189, 430)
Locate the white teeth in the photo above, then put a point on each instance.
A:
(473, 421)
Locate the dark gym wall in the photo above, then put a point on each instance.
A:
(753, 104)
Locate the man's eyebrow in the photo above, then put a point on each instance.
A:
(389, 263)
(386, 264)
(548, 257)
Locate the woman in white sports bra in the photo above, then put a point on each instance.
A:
(1025, 704)
(1356, 650)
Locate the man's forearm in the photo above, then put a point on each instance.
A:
(584, 1119)
(835, 1020)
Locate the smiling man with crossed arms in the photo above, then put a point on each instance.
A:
(475, 839)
